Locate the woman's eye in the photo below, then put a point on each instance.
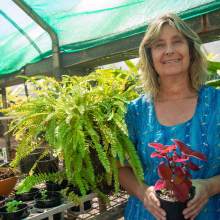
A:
(159, 45)
(178, 41)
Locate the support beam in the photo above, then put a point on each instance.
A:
(206, 26)
(57, 71)
(7, 136)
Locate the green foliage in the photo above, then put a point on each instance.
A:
(72, 197)
(12, 206)
(43, 194)
(83, 120)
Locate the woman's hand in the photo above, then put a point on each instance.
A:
(152, 204)
(200, 199)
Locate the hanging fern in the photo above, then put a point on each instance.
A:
(83, 120)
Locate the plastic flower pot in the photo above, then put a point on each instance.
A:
(21, 213)
(51, 186)
(54, 199)
(2, 201)
(28, 196)
(174, 209)
(28, 162)
(46, 165)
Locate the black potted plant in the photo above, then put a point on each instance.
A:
(175, 189)
(45, 199)
(14, 210)
(27, 196)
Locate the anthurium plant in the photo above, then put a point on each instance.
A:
(174, 170)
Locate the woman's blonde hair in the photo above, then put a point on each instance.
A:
(198, 63)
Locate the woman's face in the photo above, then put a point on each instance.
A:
(171, 53)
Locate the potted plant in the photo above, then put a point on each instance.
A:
(83, 121)
(45, 199)
(8, 179)
(175, 189)
(14, 210)
(27, 196)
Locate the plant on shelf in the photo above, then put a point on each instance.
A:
(8, 179)
(12, 206)
(14, 210)
(43, 194)
(83, 121)
(174, 176)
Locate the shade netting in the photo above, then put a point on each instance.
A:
(80, 24)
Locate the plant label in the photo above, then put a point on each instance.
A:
(4, 154)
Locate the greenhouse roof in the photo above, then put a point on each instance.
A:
(90, 32)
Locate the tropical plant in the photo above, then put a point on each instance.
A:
(174, 176)
(83, 121)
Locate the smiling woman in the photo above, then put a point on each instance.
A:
(171, 53)
(177, 105)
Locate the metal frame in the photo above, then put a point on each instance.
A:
(207, 26)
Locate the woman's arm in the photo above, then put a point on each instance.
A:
(146, 193)
(205, 188)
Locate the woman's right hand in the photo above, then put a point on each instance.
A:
(152, 204)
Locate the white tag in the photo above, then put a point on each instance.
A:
(4, 154)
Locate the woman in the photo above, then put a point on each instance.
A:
(177, 106)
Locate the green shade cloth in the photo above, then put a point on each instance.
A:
(80, 24)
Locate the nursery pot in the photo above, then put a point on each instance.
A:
(7, 185)
(46, 165)
(2, 201)
(28, 162)
(174, 209)
(28, 195)
(51, 186)
(21, 213)
(53, 201)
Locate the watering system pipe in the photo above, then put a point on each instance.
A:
(57, 71)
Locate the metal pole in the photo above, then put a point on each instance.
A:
(57, 71)
(25, 86)
(7, 136)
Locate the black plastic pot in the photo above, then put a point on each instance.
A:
(28, 162)
(46, 165)
(174, 209)
(27, 196)
(21, 213)
(50, 203)
(55, 201)
(87, 204)
(2, 201)
(51, 186)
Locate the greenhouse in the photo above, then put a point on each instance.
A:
(71, 133)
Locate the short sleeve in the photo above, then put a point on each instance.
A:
(130, 120)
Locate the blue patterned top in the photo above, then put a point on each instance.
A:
(200, 133)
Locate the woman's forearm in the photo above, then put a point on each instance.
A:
(214, 185)
(130, 183)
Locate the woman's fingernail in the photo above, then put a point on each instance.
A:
(158, 204)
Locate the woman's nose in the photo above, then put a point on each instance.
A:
(169, 50)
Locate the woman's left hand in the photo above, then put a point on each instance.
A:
(200, 199)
